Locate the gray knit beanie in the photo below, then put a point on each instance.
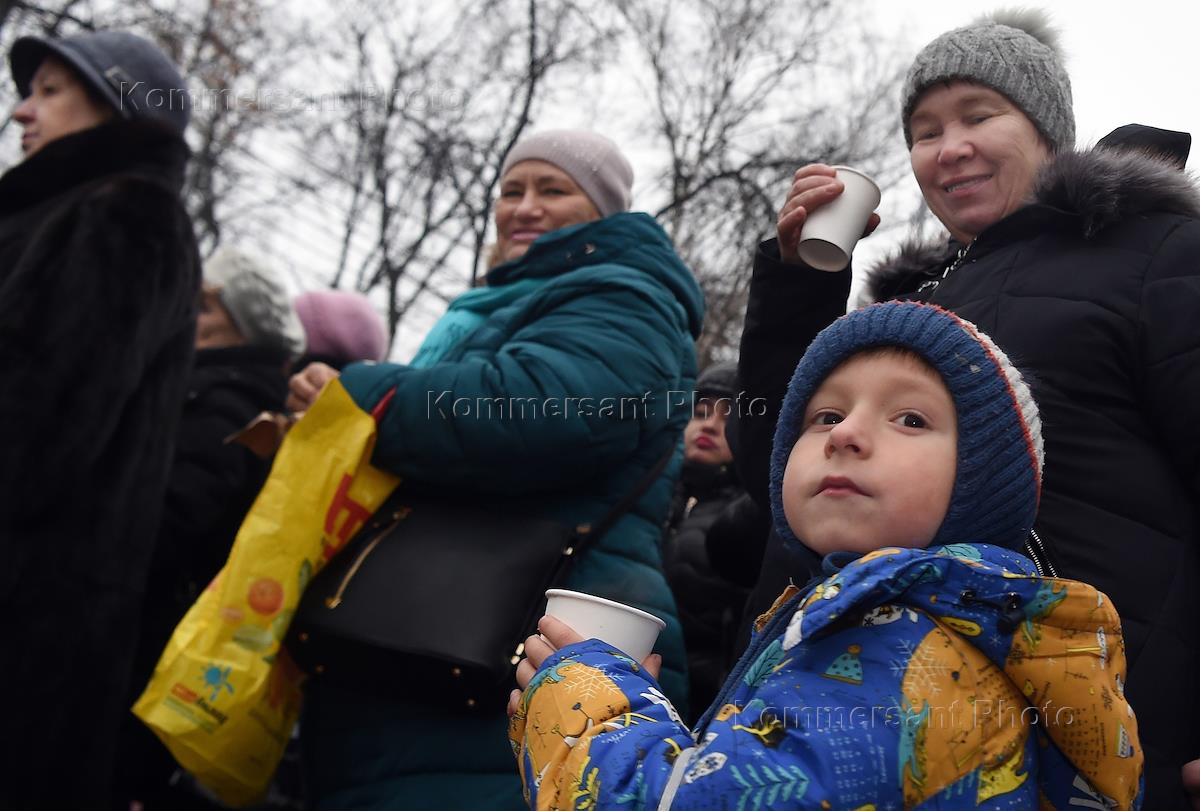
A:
(1013, 52)
(593, 162)
(257, 298)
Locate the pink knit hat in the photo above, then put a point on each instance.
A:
(342, 325)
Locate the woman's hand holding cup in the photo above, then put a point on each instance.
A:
(813, 186)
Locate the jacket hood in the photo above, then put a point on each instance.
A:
(1098, 188)
(1057, 641)
(132, 148)
(632, 239)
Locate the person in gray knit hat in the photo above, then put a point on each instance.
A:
(1080, 263)
(247, 301)
(1014, 53)
(983, 107)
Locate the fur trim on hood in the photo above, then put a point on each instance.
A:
(1103, 186)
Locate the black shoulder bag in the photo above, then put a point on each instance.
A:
(435, 596)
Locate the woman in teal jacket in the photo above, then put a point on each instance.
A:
(555, 387)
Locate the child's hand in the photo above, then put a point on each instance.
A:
(554, 634)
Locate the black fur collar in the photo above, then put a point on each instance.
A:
(1099, 187)
(120, 147)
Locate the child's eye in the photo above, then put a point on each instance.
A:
(826, 418)
(912, 420)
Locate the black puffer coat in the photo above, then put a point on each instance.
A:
(1094, 290)
(98, 283)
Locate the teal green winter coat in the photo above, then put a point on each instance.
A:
(558, 403)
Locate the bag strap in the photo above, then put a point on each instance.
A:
(584, 535)
(587, 535)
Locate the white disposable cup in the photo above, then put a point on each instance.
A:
(626, 628)
(830, 233)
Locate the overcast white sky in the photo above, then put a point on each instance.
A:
(1128, 61)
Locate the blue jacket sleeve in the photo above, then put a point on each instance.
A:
(593, 724)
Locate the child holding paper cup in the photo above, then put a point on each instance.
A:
(930, 665)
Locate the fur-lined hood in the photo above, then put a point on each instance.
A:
(1100, 186)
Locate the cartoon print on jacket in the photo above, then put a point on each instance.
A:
(949, 677)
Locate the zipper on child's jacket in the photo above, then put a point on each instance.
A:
(1036, 550)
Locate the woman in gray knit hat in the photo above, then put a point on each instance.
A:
(588, 307)
(1081, 264)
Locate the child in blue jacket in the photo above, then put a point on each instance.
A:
(933, 666)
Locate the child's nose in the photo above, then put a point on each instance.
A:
(848, 436)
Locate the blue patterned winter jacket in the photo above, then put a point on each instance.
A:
(942, 678)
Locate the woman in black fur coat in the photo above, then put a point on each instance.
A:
(99, 275)
(1085, 269)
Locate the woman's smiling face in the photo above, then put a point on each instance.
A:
(537, 197)
(975, 156)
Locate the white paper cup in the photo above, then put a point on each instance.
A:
(830, 233)
(627, 629)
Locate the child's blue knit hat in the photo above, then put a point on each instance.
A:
(999, 475)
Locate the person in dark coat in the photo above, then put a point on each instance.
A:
(710, 604)
(1082, 266)
(247, 335)
(98, 280)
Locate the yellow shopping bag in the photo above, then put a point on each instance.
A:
(224, 696)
